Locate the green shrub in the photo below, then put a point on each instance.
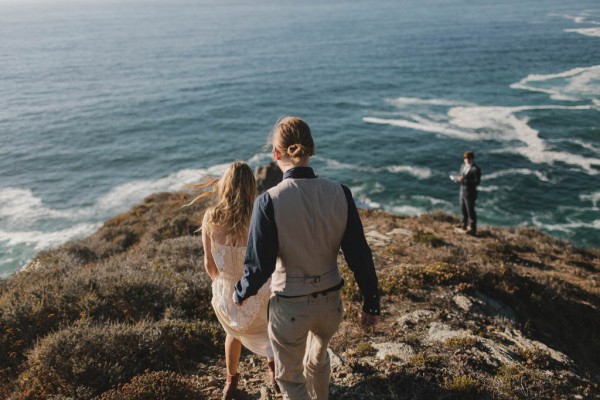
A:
(441, 273)
(161, 385)
(85, 361)
(427, 360)
(153, 282)
(427, 238)
(499, 249)
(465, 384)
(439, 216)
(461, 343)
(350, 290)
(365, 349)
(394, 284)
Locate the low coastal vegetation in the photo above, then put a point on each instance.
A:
(125, 314)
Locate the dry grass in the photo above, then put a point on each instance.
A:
(162, 385)
(91, 359)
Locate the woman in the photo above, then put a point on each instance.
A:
(224, 236)
(296, 232)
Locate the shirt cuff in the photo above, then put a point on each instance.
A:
(371, 305)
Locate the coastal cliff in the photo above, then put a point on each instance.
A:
(125, 314)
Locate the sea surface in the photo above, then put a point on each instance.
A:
(105, 102)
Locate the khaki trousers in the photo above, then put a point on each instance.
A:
(300, 329)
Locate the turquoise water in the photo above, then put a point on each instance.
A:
(105, 102)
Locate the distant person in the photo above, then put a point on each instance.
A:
(296, 231)
(469, 178)
(225, 236)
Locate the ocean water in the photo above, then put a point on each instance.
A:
(105, 102)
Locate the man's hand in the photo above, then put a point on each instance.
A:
(368, 320)
(235, 300)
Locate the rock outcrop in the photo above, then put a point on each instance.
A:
(512, 313)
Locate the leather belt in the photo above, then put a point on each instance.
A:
(316, 294)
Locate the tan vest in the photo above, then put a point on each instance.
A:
(311, 216)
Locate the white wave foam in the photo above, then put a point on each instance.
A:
(433, 201)
(585, 17)
(577, 84)
(378, 188)
(517, 171)
(20, 206)
(43, 240)
(407, 210)
(22, 213)
(130, 193)
(363, 201)
(402, 102)
(593, 197)
(337, 165)
(567, 226)
(499, 124)
(595, 32)
(418, 172)
(260, 159)
(581, 143)
(427, 126)
(488, 188)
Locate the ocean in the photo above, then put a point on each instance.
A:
(103, 102)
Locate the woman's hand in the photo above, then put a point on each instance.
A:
(235, 300)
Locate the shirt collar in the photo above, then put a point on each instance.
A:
(299, 173)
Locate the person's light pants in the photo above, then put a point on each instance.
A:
(300, 329)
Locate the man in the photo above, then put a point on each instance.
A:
(296, 231)
(469, 178)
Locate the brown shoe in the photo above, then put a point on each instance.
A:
(230, 389)
(272, 380)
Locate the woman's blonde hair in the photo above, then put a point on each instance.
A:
(292, 137)
(235, 192)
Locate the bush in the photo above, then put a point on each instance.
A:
(160, 217)
(440, 273)
(439, 216)
(161, 385)
(152, 282)
(365, 349)
(499, 250)
(85, 361)
(427, 238)
(466, 385)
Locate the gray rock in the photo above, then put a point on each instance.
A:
(334, 359)
(439, 332)
(518, 339)
(497, 354)
(400, 231)
(414, 317)
(267, 176)
(463, 302)
(377, 238)
(401, 351)
(489, 305)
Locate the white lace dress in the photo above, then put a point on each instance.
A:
(248, 322)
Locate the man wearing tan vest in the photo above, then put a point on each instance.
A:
(296, 231)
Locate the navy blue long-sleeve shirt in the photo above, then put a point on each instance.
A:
(263, 248)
